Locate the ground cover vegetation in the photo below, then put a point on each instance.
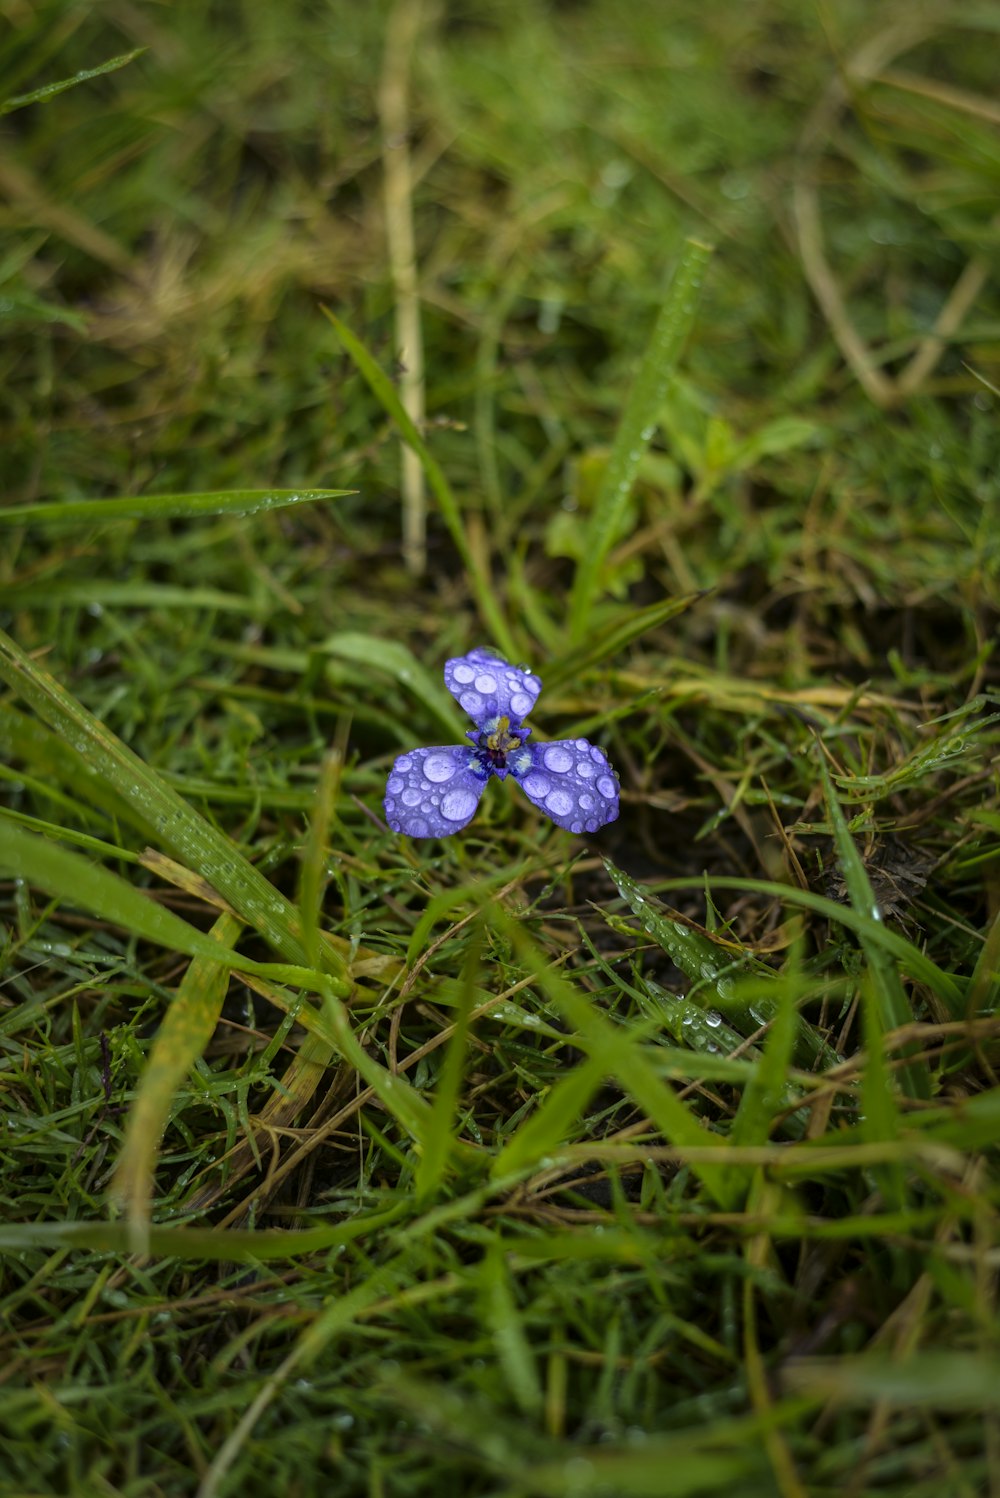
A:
(659, 1160)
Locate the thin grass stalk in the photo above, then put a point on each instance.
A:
(394, 109)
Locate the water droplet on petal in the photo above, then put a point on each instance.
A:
(439, 767)
(458, 805)
(557, 758)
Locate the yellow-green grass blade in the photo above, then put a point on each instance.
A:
(880, 1120)
(636, 427)
(187, 1027)
(385, 393)
(162, 506)
(984, 988)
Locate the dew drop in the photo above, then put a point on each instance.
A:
(557, 758)
(458, 805)
(560, 803)
(439, 767)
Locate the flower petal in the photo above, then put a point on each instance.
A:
(433, 792)
(572, 782)
(487, 687)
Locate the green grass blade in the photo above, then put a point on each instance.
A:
(984, 988)
(195, 1243)
(438, 1138)
(162, 506)
(385, 393)
(552, 1122)
(69, 877)
(624, 1059)
(471, 896)
(886, 988)
(399, 662)
(401, 1100)
(187, 1027)
(950, 991)
(145, 595)
(49, 90)
(880, 1120)
(56, 762)
(638, 423)
(502, 1315)
(312, 880)
(167, 818)
(942, 1380)
(767, 1091)
(711, 970)
(334, 1318)
(696, 956)
(626, 625)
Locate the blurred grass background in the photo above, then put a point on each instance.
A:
(505, 1165)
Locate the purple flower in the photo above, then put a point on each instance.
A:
(432, 792)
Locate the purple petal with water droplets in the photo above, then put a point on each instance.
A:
(433, 792)
(487, 687)
(572, 782)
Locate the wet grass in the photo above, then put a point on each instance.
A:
(515, 1164)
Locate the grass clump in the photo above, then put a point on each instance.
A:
(514, 1163)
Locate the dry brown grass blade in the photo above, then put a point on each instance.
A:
(868, 65)
(293, 1093)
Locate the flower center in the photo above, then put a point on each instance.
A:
(496, 742)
